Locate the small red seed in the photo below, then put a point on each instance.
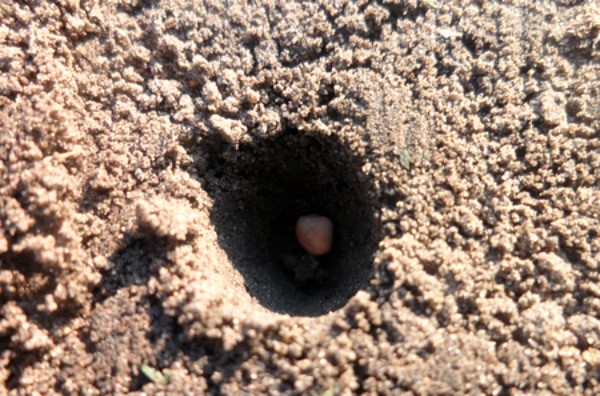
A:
(315, 234)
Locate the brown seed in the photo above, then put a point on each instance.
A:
(315, 234)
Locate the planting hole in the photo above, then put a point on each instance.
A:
(261, 189)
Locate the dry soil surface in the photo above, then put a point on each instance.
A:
(154, 156)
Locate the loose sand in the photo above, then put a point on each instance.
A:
(155, 155)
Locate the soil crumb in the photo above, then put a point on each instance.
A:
(155, 155)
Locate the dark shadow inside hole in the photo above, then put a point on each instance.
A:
(259, 192)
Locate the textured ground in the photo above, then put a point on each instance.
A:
(153, 154)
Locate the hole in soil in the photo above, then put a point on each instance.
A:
(259, 192)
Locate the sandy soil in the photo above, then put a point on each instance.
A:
(155, 155)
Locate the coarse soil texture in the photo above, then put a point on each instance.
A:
(155, 155)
